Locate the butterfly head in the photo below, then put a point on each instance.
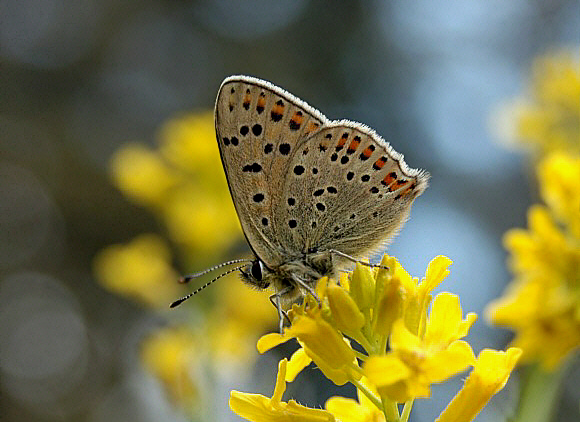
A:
(292, 279)
(256, 274)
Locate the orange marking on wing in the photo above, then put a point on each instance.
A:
(277, 111)
(247, 99)
(389, 178)
(261, 102)
(353, 145)
(409, 189)
(367, 152)
(341, 141)
(379, 163)
(312, 126)
(398, 185)
(296, 120)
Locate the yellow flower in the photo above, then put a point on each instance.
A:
(424, 347)
(490, 374)
(559, 179)
(200, 221)
(169, 354)
(415, 363)
(141, 269)
(183, 183)
(236, 321)
(189, 144)
(346, 314)
(350, 410)
(543, 303)
(142, 175)
(258, 408)
(321, 343)
(542, 248)
(549, 119)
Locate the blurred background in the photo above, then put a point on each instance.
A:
(96, 99)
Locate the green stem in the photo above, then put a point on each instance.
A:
(407, 410)
(357, 369)
(363, 341)
(391, 410)
(383, 344)
(370, 395)
(360, 355)
(540, 394)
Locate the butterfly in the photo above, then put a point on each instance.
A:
(312, 194)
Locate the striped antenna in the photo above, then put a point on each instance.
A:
(184, 298)
(189, 277)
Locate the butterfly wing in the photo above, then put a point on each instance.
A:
(347, 189)
(258, 127)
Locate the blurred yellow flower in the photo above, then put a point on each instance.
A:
(424, 347)
(258, 408)
(237, 320)
(142, 175)
(549, 119)
(189, 144)
(559, 179)
(183, 183)
(141, 270)
(543, 303)
(169, 354)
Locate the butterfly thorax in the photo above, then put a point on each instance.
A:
(288, 279)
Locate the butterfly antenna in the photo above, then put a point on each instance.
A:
(189, 277)
(184, 298)
(353, 259)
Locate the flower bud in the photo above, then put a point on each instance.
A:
(345, 312)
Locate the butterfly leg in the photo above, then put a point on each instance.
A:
(308, 288)
(275, 300)
(353, 259)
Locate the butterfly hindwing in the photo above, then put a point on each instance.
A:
(258, 127)
(354, 194)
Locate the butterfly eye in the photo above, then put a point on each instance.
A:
(257, 270)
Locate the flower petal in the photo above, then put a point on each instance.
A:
(489, 376)
(271, 340)
(445, 320)
(280, 382)
(446, 363)
(253, 407)
(402, 338)
(385, 370)
(325, 341)
(297, 363)
(345, 312)
(436, 272)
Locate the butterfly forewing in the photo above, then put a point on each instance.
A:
(352, 191)
(258, 129)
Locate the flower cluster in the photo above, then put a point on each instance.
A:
(409, 341)
(182, 182)
(542, 304)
